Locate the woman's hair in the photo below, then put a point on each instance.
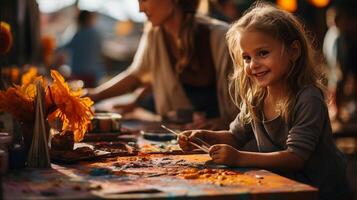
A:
(187, 32)
(286, 28)
(84, 17)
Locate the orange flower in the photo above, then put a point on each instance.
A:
(67, 105)
(29, 76)
(19, 100)
(5, 37)
(74, 111)
(28, 81)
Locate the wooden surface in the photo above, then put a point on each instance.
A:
(151, 177)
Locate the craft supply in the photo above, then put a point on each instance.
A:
(204, 147)
(106, 123)
(195, 138)
(158, 135)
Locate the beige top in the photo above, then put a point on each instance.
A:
(152, 64)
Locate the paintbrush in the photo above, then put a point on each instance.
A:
(204, 146)
(195, 138)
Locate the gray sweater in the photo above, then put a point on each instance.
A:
(309, 136)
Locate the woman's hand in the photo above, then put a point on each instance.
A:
(91, 93)
(225, 154)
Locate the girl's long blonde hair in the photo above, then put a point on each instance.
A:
(285, 27)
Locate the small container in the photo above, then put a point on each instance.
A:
(116, 121)
(106, 123)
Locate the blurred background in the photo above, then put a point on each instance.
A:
(44, 35)
(42, 28)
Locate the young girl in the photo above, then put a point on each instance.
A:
(280, 96)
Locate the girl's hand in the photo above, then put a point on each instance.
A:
(224, 154)
(186, 136)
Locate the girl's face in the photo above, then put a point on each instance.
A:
(157, 11)
(264, 58)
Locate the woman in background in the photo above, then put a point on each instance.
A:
(184, 58)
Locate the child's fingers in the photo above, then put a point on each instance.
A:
(217, 159)
(214, 156)
(186, 133)
(184, 143)
(214, 150)
(196, 134)
(182, 137)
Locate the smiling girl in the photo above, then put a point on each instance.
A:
(278, 89)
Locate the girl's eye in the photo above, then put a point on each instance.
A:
(246, 58)
(263, 53)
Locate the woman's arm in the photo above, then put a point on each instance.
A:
(120, 84)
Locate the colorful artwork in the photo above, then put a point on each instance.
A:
(148, 176)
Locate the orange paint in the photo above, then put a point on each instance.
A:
(220, 177)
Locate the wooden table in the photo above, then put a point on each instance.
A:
(153, 176)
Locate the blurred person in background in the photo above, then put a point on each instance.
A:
(225, 10)
(85, 51)
(184, 57)
(330, 53)
(345, 52)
